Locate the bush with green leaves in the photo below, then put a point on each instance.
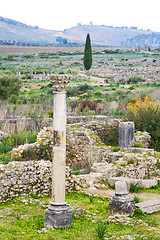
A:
(138, 212)
(134, 80)
(16, 139)
(78, 90)
(145, 113)
(4, 148)
(134, 187)
(6, 159)
(9, 85)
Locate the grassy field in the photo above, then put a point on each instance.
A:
(24, 219)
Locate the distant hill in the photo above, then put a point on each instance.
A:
(11, 30)
(152, 39)
(102, 35)
(14, 32)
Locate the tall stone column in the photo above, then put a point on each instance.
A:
(58, 213)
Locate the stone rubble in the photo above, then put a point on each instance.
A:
(29, 178)
(85, 148)
(143, 138)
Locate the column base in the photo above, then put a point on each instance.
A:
(122, 205)
(58, 215)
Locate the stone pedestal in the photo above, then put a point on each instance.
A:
(58, 213)
(59, 216)
(121, 203)
(126, 134)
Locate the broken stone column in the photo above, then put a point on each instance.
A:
(121, 203)
(126, 134)
(58, 213)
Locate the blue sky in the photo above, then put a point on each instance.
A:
(59, 15)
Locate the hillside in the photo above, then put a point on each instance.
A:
(14, 31)
(102, 35)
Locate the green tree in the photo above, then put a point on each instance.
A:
(88, 53)
(9, 85)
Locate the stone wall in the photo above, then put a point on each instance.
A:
(85, 144)
(13, 124)
(141, 165)
(107, 131)
(83, 147)
(31, 177)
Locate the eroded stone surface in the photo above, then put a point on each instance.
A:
(144, 183)
(121, 204)
(149, 206)
(126, 134)
(121, 188)
(31, 177)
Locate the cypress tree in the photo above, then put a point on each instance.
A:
(87, 53)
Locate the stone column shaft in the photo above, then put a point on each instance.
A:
(58, 213)
(59, 149)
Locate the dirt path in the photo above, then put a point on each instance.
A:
(109, 193)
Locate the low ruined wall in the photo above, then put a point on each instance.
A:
(78, 119)
(13, 124)
(82, 148)
(31, 177)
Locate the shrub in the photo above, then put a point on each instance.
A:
(74, 91)
(85, 105)
(146, 114)
(76, 170)
(134, 80)
(4, 148)
(138, 212)
(28, 76)
(9, 85)
(13, 98)
(110, 134)
(136, 199)
(134, 187)
(17, 139)
(6, 159)
(101, 229)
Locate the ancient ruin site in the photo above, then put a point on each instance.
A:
(79, 148)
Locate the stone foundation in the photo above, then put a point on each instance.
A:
(58, 216)
(27, 178)
(121, 204)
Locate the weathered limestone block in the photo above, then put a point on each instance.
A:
(126, 134)
(144, 183)
(149, 206)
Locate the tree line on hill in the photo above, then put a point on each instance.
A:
(63, 42)
(152, 39)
